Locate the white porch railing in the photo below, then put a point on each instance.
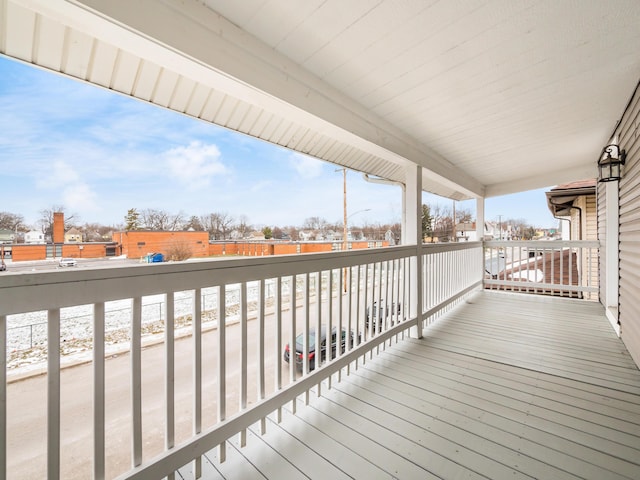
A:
(560, 268)
(273, 300)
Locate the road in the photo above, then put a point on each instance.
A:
(26, 403)
(51, 265)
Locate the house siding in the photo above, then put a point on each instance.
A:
(602, 236)
(584, 225)
(629, 201)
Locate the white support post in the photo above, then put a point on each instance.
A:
(278, 371)
(244, 318)
(480, 229)
(413, 236)
(222, 365)
(3, 396)
(98, 392)
(612, 253)
(197, 374)
(136, 382)
(53, 393)
(169, 381)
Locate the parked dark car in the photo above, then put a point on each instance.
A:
(382, 311)
(312, 346)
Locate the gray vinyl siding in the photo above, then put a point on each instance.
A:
(629, 293)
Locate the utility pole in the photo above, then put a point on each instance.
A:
(500, 225)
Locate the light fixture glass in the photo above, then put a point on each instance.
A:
(610, 163)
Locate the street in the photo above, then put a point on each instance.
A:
(26, 403)
(51, 264)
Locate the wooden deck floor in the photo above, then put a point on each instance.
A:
(505, 386)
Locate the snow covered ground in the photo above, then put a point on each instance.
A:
(27, 332)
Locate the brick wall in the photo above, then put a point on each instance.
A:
(84, 250)
(137, 244)
(28, 252)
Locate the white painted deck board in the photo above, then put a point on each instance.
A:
(504, 386)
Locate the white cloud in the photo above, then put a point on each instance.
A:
(57, 176)
(306, 167)
(195, 164)
(79, 197)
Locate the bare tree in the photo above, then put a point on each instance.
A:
(46, 218)
(464, 215)
(11, 221)
(316, 224)
(177, 221)
(442, 222)
(217, 224)
(179, 250)
(195, 224)
(153, 219)
(521, 229)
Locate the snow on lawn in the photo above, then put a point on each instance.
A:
(27, 332)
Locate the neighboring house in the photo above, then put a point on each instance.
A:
(305, 236)
(390, 237)
(34, 236)
(576, 203)
(466, 232)
(73, 235)
(256, 235)
(496, 231)
(7, 236)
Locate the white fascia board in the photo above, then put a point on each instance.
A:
(190, 39)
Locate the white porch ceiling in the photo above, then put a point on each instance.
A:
(491, 97)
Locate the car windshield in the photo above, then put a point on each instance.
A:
(300, 340)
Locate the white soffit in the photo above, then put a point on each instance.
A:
(491, 97)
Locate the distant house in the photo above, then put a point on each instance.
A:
(256, 235)
(466, 232)
(575, 202)
(305, 236)
(34, 237)
(73, 235)
(7, 236)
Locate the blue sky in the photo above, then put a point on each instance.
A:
(99, 154)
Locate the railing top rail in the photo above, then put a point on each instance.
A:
(554, 244)
(42, 291)
(449, 246)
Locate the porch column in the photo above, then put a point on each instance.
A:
(413, 236)
(612, 253)
(480, 218)
(480, 229)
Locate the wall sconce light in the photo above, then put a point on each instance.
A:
(610, 163)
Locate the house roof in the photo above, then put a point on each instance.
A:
(480, 94)
(560, 198)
